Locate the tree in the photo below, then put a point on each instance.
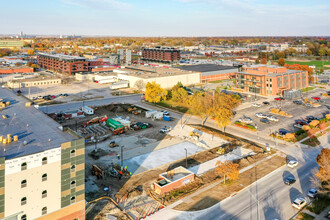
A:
(323, 174)
(29, 63)
(281, 62)
(154, 93)
(263, 61)
(227, 169)
(179, 95)
(30, 52)
(323, 51)
(140, 85)
(257, 61)
(200, 105)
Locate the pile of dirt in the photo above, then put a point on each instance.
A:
(103, 209)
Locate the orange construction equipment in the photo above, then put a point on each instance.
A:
(97, 171)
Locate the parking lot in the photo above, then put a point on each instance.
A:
(297, 111)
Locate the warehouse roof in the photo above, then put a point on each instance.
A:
(39, 131)
(206, 67)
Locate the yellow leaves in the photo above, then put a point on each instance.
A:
(228, 169)
(154, 93)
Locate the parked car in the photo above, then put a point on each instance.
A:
(308, 105)
(301, 122)
(266, 103)
(65, 94)
(299, 203)
(166, 113)
(311, 118)
(256, 105)
(316, 98)
(165, 129)
(265, 120)
(272, 118)
(289, 180)
(297, 126)
(279, 98)
(298, 102)
(312, 193)
(282, 131)
(260, 115)
(246, 120)
(292, 163)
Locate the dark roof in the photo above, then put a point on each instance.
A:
(31, 125)
(206, 67)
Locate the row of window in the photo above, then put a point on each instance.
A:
(44, 195)
(43, 212)
(44, 161)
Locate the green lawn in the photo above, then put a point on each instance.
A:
(307, 89)
(316, 63)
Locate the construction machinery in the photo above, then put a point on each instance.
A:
(113, 144)
(97, 171)
(95, 120)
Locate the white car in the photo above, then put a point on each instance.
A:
(256, 105)
(165, 129)
(297, 126)
(245, 120)
(299, 203)
(312, 193)
(272, 118)
(292, 163)
(260, 115)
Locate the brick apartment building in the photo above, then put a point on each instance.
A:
(161, 54)
(62, 63)
(270, 80)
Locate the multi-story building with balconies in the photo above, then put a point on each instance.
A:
(161, 54)
(270, 80)
(63, 63)
(42, 167)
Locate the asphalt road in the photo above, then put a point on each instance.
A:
(76, 105)
(274, 196)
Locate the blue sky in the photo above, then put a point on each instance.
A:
(167, 17)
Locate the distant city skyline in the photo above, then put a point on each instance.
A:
(186, 18)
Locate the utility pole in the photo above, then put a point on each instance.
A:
(258, 211)
(186, 157)
(121, 156)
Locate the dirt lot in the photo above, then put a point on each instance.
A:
(246, 178)
(102, 208)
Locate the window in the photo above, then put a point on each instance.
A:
(23, 217)
(73, 168)
(44, 194)
(73, 184)
(23, 201)
(73, 153)
(23, 166)
(44, 177)
(72, 199)
(44, 160)
(23, 183)
(44, 211)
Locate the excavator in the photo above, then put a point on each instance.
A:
(95, 120)
(97, 171)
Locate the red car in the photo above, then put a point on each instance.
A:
(279, 99)
(316, 98)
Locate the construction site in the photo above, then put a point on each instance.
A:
(131, 150)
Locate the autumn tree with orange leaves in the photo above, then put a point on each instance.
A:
(227, 169)
(323, 175)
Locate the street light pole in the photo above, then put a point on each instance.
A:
(121, 156)
(186, 157)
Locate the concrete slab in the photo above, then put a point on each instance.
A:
(160, 157)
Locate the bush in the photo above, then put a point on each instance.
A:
(299, 132)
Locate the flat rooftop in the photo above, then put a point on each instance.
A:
(31, 125)
(62, 56)
(206, 67)
(151, 72)
(13, 67)
(36, 79)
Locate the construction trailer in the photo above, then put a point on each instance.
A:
(88, 110)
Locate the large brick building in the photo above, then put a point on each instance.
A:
(270, 80)
(63, 63)
(42, 167)
(16, 69)
(161, 54)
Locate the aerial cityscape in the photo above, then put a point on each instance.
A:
(165, 110)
